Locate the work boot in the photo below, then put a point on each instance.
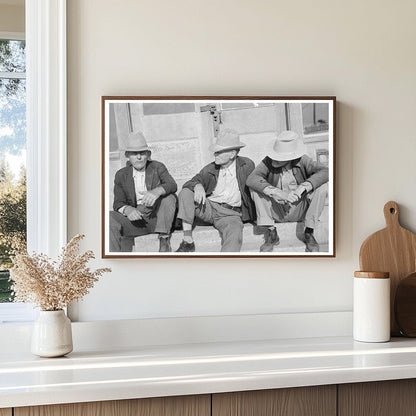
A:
(271, 239)
(164, 244)
(186, 247)
(311, 244)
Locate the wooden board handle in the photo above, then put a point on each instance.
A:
(391, 214)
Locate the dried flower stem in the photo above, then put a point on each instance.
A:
(53, 285)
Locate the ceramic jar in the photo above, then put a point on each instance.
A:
(371, 309)
(52, 334)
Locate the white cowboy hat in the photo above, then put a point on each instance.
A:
(136, 142)
(227, 139)
(287, 146)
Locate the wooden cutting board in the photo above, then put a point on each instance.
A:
(393, 250)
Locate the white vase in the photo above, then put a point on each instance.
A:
(52, 334)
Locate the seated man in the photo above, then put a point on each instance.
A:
(144, 198)
(288, 186)
(218, 195)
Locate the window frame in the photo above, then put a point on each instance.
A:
(46, 138)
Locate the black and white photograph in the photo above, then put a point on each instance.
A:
(218, 176)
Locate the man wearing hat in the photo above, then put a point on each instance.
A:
(144, 198)
(218, 195)
(288, 186)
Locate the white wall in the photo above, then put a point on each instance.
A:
(12, 18)
(363, 52)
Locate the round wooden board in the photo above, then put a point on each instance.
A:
(405, 306)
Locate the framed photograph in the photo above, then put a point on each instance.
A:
(218, 177)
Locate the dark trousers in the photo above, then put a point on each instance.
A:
(227, 221)
(156, 219)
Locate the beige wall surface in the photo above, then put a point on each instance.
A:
(363, 52)
(12, 18)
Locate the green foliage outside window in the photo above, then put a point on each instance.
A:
(12, 224)
(6, 294)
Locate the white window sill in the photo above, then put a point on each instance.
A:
(16, 313)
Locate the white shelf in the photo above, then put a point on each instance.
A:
(151, 371)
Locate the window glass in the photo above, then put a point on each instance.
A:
(315, 117)
(12, 56)
(164, 108)
(236, 105)
(12, 156)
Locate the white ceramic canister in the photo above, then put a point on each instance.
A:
(371, 310)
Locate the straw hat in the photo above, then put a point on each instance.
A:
(287, 146)
(136, 142)
(227, 139)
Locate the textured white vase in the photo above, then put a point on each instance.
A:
(52, 334)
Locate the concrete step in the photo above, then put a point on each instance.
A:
(207, 238)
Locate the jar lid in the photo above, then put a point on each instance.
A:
(372, 275)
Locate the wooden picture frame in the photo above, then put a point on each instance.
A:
(182, 135)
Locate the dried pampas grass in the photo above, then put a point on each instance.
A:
(53, 285)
